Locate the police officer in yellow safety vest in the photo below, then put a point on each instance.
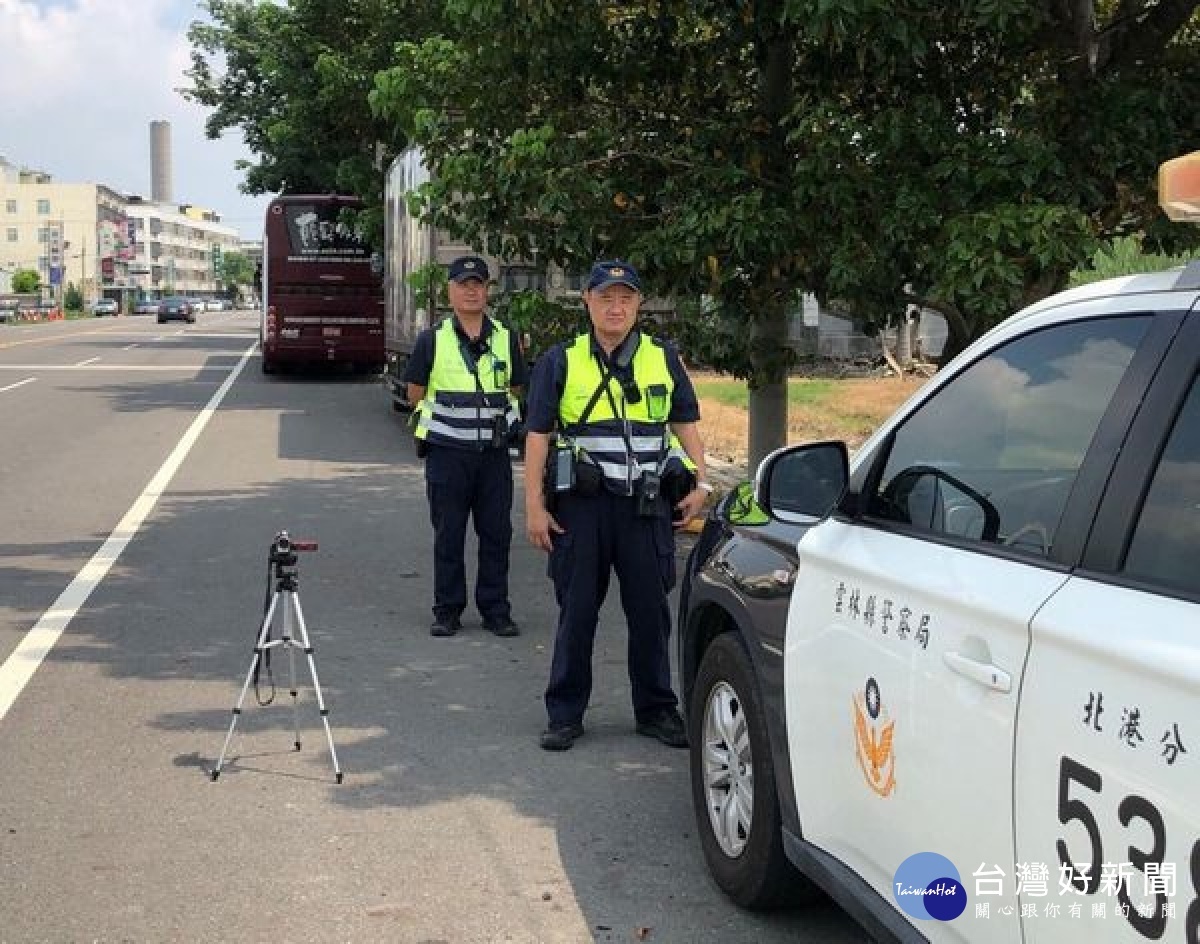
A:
(464, 375)
(612, 455)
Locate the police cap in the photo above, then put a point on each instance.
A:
(465, 268)
(613, 272)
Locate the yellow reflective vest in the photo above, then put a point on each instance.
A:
(633, 438)
(465, 400)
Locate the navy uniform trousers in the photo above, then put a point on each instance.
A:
(604, 534)
(462, 484)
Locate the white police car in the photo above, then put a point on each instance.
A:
(980, 719)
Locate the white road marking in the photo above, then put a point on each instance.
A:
(151, 367)
(90, 360)
(19, 668)
(129, 347)
(19, 383)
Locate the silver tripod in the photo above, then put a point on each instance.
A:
(282, 568)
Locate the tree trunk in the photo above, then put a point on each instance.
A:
(768, 405)
(768, 358)
(768, 421)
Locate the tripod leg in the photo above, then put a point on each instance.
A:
(312, 668)
(259, 647)
(289, 642)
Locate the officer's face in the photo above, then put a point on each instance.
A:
(613, 310)
(469, 297)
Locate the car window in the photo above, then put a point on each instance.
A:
(1167, 536)
(992, 456)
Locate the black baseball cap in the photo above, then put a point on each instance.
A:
(613, 272)
(465, 268)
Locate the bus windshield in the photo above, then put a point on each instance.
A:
(315, 230)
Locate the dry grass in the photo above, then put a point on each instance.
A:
(849, 409)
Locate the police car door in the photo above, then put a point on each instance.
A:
(1108, 743)
(909, 625)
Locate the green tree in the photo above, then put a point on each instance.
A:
(965, 157)
(236, 270)
(73, 298)
(294, 80)
(25, 281)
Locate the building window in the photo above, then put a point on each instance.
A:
(43, 263)
(43, 207)
(43, 234)
(12, 234)
(10, 206)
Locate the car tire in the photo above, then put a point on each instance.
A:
(747, 859)
(162, 320)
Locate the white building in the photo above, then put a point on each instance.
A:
(53, 228)
(104, 243)
(175, 249)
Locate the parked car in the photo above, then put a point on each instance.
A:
(955, 682)
(176, 308)
(147, 306)
(105, 306)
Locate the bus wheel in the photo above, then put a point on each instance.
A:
(268, 366)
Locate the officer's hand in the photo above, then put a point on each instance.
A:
(691, 505)
(539, 524)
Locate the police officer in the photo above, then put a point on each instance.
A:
(617, 411)
(464, 375)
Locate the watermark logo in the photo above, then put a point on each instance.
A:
(928, 887)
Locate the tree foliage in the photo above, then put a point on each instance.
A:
(25, 281)
(965, 156)
(236, 269)
(73, 298)
(294, 80)
(1127, 255)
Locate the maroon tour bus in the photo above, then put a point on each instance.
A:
(321, 285)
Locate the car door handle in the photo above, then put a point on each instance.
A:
(984, 673)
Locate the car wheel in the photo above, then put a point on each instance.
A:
(162, 320)
(268, 366)
(733, 782)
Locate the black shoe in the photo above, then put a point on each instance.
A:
(560, 737)
(503, 627)
(666, 727)
(445, 626)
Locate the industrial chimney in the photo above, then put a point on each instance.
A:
(160, 161)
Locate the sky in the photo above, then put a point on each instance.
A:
(80, 82)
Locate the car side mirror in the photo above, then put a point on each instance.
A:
(803, 480)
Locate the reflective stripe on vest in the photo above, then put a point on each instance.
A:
(603, 437)
(460, 410)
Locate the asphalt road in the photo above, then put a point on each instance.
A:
(136, 521)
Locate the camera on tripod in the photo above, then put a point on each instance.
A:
(283, 549)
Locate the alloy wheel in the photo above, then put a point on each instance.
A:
(728, 769)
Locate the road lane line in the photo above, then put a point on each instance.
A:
(19, 667)
(150, 367)
(65, 336)
(129, 347)
(19, 383)
(90, 360)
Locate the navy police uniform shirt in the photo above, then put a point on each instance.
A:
(550, 378)
(420, 362)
